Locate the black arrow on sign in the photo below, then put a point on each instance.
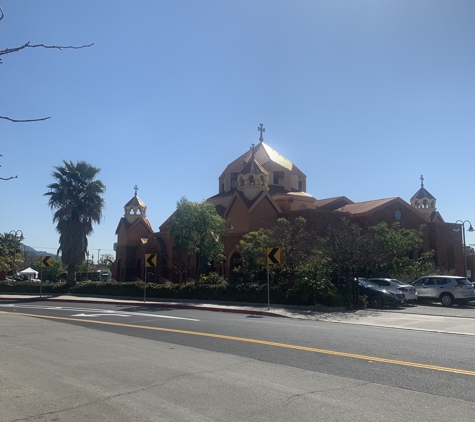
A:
(271, 255)
(151, 260)
(46, 261)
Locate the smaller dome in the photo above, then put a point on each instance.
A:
(135, 202)
(135, 208)
(423, 200)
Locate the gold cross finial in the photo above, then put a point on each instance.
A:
(261, 129)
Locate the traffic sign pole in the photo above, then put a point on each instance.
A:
(273, 257)
(268, 288)
(150, 261)
(145, 286)
(45, 261)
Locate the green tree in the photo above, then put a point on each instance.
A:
(106, 261)
(344, 247)
(51, 273)
(9, 246)
(291, 237)
(76, 197)
(295, 244)
(198, 229)
(253, 251)
(390, 247)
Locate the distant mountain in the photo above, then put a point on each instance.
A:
(30, 254)
(30, 251)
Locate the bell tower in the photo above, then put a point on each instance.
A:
(424, 201)
(135, 208)
(253, 178)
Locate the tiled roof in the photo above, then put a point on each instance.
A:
(277, 189)
(254, 167)
(422, 193)
(300, 194)
(263, 153)
(135, 202)
(364, 207)
(220, 210)
(128, 225)
(276, 157)
(222, 194)
(323, 202)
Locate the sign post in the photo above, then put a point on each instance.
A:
(273, 257)
(150, 261)
(45, 261)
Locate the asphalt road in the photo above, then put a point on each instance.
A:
(115, 362)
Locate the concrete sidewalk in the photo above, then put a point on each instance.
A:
(422, 318)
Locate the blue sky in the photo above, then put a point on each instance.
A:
(363, 96)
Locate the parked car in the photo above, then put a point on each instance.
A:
(394, 284)
(379, 296)
(446, 289)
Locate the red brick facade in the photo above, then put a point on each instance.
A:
(254, 191)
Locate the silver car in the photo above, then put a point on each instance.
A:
(446, 289)
(398, 286)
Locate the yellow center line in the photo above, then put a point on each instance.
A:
(262, 342)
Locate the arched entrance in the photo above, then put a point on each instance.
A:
(234, 261)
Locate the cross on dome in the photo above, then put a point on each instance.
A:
(261, 129)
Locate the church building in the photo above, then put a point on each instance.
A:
(255, 190)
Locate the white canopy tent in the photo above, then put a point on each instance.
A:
(30, 273)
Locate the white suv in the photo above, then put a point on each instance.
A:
(446, 289)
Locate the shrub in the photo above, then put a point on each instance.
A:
(32, 287)
(301, 293)
(212, 278)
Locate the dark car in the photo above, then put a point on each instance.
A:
(379, 296)
(397, 286)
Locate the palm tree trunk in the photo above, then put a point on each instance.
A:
(71, 280)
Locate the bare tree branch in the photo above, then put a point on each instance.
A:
(7, 178)
(28, 45)
(24, 121)
(14, 50)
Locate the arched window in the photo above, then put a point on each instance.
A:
(234, 261)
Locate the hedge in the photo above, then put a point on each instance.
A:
(245, 292)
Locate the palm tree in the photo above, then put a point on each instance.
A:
(76, 197)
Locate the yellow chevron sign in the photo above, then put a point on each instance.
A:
(150, 260)
(45, 261)
(273, 255)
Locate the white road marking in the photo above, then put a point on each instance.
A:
(96, 315)
(97, 312)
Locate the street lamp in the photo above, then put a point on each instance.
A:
(470, 229)
(16, 234)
